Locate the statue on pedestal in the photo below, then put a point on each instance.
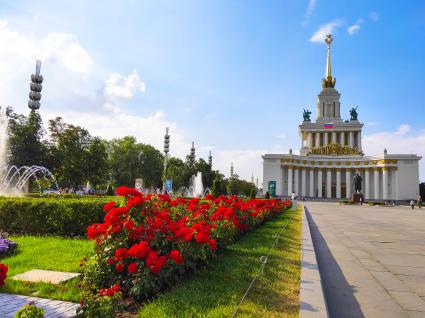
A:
(306, 115)
(354, 113)
(357, 182)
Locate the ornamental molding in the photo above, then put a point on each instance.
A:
(334, 150)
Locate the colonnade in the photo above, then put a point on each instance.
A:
(323, 138)
(319, 182)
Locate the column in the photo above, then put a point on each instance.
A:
(366, 184)
(348, 183)
(338, 183)
(310, 140)
(328, 183)
(303, 183)
(376, 183)
(289, 180)
(311, 190)
(385, 183)
(396, 195)
(318, 139)
(319, 182)
(296, 177)
(359, 140)
(325, 138)
(341, 138)
(334, 137)
(351, 139)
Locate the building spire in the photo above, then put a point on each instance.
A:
(328, 81)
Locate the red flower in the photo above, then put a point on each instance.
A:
(121, 253)
(202, 237)
(108, 206)
(213, 245)
(3, 273)
(110, 261)
(176, 256)
(132, 267)
(140, 250)
(109, 291)
(119, 267)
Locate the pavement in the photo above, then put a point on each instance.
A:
(10, 304)
(371, 259)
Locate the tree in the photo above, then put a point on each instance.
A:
(176, 172)
(152, 163)
(25, 139)
(96, 168)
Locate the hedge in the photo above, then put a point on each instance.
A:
(49, 216)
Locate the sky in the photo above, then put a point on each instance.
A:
(232, 76)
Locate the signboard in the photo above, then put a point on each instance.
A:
(168, 185)
(272, 188)
(138, 184)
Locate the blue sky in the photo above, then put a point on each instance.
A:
(233, 76)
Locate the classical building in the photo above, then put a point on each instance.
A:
(331, 153)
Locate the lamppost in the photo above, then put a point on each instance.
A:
(166, 151)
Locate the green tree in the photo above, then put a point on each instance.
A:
(97, 167)
(176, 172)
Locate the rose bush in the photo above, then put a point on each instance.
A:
(3, 273)
(152, 240)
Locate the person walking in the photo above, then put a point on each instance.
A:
(412, 204)
(419, 201)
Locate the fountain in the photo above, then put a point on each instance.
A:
(197, 185)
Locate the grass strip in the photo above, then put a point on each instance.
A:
(47, 253)
(215, 290)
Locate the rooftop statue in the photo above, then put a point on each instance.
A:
(306, 115)
(354, 113)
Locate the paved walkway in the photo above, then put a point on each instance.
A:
(371, 259)
(10, 304)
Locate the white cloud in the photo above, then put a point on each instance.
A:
(374, 16)
(310, 9)
(281, 136)
(323, 30)
(210, 116)
(119, 86)
(400, 141)
(355, 27)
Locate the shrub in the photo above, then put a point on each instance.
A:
(6, 246)
(149, 243)
(30, 311)
(110, 190)
(41, 216)
(216, 189)
(253, 193)
(3, 273)
(267, 195)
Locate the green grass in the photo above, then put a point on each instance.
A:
(216, 290)
(48, 253)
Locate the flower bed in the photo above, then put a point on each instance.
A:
(3, 273)
(149, 243)
(6, 246)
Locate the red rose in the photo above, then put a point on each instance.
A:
(213, 245)
(132, 267)
(121, 253)
(176, 256)
(119, 268)
(202, 237)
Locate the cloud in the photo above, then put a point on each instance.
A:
(323, 30)
(374, 16)
(401, 141)
(355, 27)
(310, 9)
(210, 116)
(281, 136)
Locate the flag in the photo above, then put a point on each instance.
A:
(328, 126)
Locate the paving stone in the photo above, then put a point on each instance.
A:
(390, 281)
(415, 283)
(409, 300)
(10, 304)
(52, 277)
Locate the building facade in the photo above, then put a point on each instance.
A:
(331, 154)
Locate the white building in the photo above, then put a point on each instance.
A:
(331, 153)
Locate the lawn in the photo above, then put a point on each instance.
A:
(48, 253)
(215, 291)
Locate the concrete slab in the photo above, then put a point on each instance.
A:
(372, 259)
(53, 277)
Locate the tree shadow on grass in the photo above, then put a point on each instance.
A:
(217, 289)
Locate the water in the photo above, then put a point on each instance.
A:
(197, 185)
(14, 179)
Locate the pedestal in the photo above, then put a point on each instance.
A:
(357, 197)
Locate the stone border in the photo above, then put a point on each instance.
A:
(312, 299)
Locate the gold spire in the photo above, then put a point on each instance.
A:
(328, 81)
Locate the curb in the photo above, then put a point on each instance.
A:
(312, 300)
